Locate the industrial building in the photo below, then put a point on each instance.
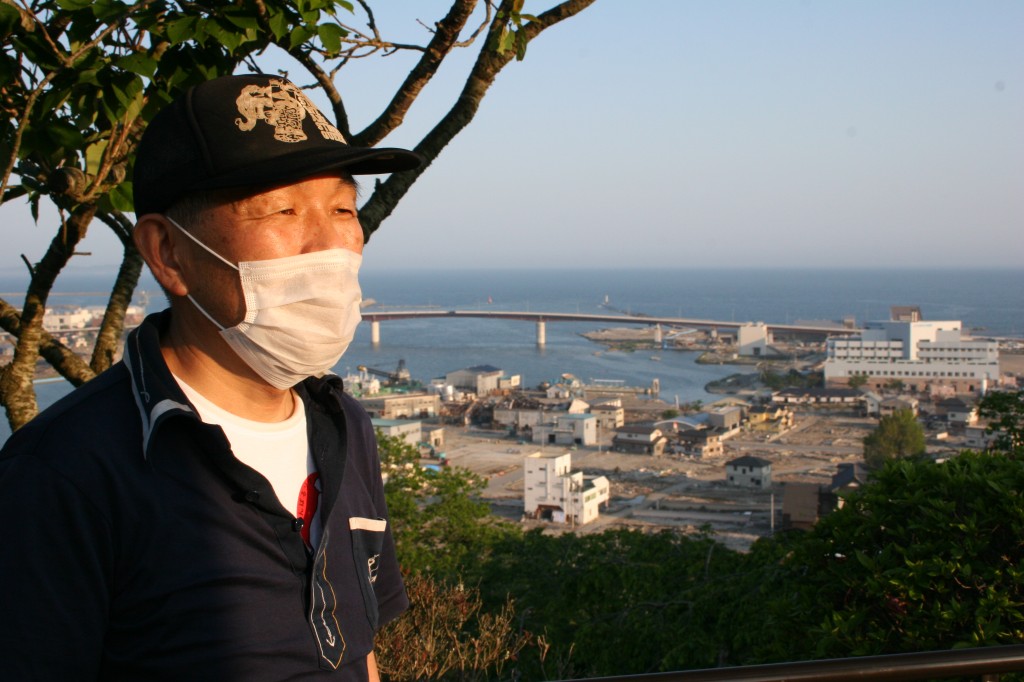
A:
(916, 354)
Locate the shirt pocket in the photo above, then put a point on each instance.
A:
(367, 541)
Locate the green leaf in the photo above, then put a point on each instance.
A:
(243, 21)
(10, 20)
(521, 42)
(330, 36)
(227, 37)
(279, 24)
(94, 155)
(65, 135)
(300, 34)
(8, 67)
(106, 10)
(121, 197)
(506, 41)
(138, 62)
(73, 5)
(180, 30)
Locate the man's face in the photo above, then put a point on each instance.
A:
(314, 214)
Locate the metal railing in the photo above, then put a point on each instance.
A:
(986, 663)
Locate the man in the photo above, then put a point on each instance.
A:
(212, 506)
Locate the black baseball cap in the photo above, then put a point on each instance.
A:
(249, 130)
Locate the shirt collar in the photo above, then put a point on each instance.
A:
(157, 394)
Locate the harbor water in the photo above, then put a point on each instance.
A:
(990, 302)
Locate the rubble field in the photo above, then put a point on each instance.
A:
(672, 491)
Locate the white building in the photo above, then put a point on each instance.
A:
(63, 319)
(749, 472)
(916, 354)
(402, 405)
(554, 492)
(482, 379)
(753, 339)
(567, 429)
(408, 430)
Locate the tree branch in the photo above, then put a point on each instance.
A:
(16, 379)
(488, 64)
(68, 364)
(325, 81)
(108, 340)
(445, 37)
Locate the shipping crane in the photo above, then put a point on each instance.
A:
(400, 377)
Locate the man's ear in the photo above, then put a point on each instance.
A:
(159, 244)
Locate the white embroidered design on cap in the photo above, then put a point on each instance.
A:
(282, 105)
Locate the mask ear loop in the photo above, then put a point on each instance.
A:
(224, 260)
(191, 236)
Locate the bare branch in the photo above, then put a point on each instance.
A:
(440, 46)
(371, 22)
(67, 363)
(483, 24)
(325, 81)
(120, 224)
(488, 64)
(58, 53)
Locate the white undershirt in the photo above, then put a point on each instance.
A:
(278, 450)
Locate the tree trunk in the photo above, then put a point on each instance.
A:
(17, 392)
(108, 341)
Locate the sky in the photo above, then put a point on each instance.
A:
(725, 134)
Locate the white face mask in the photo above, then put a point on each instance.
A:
(301, 313)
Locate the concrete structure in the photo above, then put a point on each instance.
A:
(642, 440)
(689, 422)
(803, 504)
(698, 443)
(402, 405)
(892, 405)
(753, 339)
(554, 492)
(978, 437)
(726, 418)
(410, 431)
(432, 435)
(818, 396)
(779, 415)
(64, 318)
(749, 472)
(482, 379)
(519, 419)
(849, 475)
(610, 416)
(567, 429)
(958, 412)
(916, 354)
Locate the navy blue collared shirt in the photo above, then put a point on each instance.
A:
(137, 547)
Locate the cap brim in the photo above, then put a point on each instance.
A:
(282, 169)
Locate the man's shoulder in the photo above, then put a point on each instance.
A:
(99, 416)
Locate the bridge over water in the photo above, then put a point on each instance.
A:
(541, 320)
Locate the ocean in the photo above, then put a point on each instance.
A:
(990, 302)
